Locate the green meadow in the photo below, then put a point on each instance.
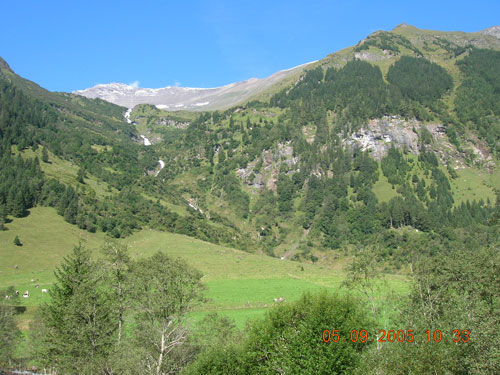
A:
(240, 285)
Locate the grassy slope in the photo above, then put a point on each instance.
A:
(65, 172)
(240, 285)
(474, 184)
(383, 189)
(471, 184)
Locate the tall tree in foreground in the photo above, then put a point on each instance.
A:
(9, 333)
(364, 277)
(78, 326)
(118, 262)
(164, 291)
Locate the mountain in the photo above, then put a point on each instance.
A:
(494, 31)
(174, 98)
(220, 98)
(80, 156)
(399, 131)
(382, 157)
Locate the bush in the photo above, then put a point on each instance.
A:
(289, 340)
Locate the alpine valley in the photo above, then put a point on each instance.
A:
(386, 152)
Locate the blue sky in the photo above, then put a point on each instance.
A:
(70, 45)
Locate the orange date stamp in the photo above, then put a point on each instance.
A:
(456, 336)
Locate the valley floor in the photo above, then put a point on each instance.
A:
(240, 285)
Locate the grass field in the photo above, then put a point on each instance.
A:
(240, 285)
(473, 184)
(383, 189)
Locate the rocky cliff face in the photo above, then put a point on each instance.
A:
(379, 135)
(264, 171)
(376, 137)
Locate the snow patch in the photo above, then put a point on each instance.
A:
(201, 104)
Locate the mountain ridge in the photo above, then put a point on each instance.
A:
(173, 98)
(342, 128)
(187, 98)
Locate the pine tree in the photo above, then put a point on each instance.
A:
(78, 325)
(18, 208)
(45, 155)
(17, 241)
(9, 333)
(80, 175)
(3, 212)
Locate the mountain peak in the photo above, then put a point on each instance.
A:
(493, 31)
(403, 25)
(4, 65)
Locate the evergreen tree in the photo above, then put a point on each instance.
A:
(9, 333)
(78, 324)
(45, 155)
(19, 208)
(80, 175)
(17, 241)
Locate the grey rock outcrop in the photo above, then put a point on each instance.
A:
(493, 31)
(379, 135)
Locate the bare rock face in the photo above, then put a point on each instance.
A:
(493, 31)
(270, 165)
(368, 56)
(379, 135)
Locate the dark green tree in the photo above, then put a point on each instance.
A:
(9, 333)
(19, 207)
(80, 175)
(17, 241)
(45, 155)
(79, 324)
(289, 340)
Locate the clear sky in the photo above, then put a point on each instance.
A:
(74, 44)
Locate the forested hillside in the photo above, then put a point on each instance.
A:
(383, 156)
(317, 167)
(347, 156)
(101, 147)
